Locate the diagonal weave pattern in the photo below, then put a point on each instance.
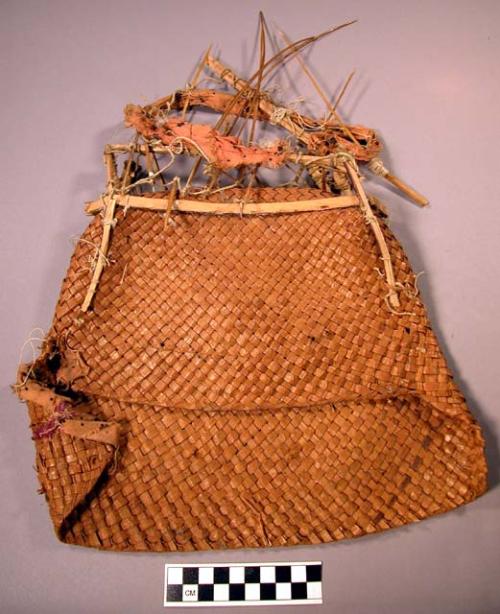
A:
(265, 393)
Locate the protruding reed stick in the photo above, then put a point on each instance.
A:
(376, 166)
(320, 91)
(111, 170)
(195, 79)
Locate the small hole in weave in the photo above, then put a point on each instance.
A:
(407, 329)
(416, 463)
(406, 481)
(378, 517)
(54, 362)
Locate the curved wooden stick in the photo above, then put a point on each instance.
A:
(371, 218)
(108, 221)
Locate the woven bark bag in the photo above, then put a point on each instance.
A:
(252, 366)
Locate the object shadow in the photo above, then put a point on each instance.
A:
(403, 232)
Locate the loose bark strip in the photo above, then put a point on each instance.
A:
(211, 99)
(224, 151)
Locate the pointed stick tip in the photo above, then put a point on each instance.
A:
(333, 29)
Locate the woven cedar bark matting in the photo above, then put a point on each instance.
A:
(264, 392)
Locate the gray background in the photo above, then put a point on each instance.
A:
(428, 79)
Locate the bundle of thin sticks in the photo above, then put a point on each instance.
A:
(325, 152)
(316, 141)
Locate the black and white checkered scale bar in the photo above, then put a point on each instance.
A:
(243, 584)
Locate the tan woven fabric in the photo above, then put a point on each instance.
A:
(241, 382)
